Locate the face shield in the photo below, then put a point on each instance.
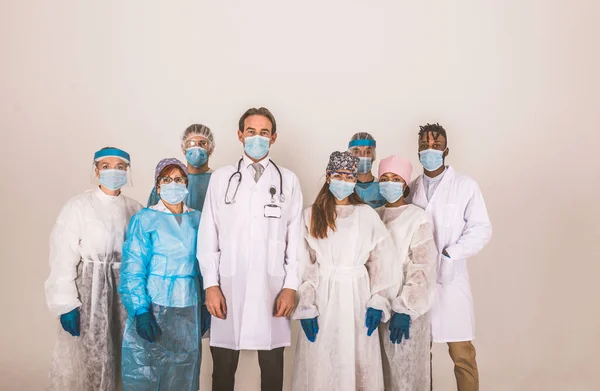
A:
(111, 168)
(364, 149)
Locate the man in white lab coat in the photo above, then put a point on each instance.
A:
(247, 242)
(461, 229)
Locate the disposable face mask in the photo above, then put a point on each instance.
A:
(391, 191)
(257, 147)
(341, 189)
(364, 165)
(173, 193)
(431, 159)
(196, 156)
(113, 179)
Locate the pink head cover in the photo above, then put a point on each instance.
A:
(397, 165)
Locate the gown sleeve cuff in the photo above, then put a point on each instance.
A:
(305, 312)
(380, 303)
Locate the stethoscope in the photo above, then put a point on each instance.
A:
(238, 173)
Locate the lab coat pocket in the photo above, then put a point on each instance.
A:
(447, 270)
(276, 257)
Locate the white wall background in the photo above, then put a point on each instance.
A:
(514, 82)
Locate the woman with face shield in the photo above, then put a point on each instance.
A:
(85, 260)
(160, 288)
(363, 146)
(198, 144)
(406, 340)
(346, 261)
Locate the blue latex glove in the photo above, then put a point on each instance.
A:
(399, 327)
(204, 320)
(373, 319)
(146, 326)
(311, 328)
(70, 322)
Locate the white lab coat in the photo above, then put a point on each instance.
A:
(85, 262)
(462, 228)
(251, 257)
(343, 275)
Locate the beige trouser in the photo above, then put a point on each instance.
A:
(465, 365)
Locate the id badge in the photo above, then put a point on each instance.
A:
(273, 211)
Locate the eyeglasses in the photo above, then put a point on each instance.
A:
(196, 143)
(339, 176)
(165, 180)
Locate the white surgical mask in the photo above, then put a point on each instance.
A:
(113, 179)
(431, 159)
(364, 164)
(391, 191)
(173, 193)
(341, 189)
(257, 147)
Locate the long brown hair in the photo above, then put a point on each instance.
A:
(323, 212)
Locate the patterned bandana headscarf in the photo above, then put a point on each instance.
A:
(167, 162)
(339, 161)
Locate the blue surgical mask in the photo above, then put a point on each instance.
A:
(364, 164)
(341, 189)
(173, 193)
(196, 156)
(113, 179)
(257, 147)
(391, 191)
(431, 159)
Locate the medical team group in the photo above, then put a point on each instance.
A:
(375, 269)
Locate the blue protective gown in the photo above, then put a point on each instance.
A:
(197, 186)
(159, 272)
(369, 193)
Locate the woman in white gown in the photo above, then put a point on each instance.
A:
(346, 260)
(85, 262)
(406, 340)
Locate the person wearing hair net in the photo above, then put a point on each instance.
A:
(198, 144)
(406, 340)
(363, 146)
(461, 229)
(346, 260)
(85, 260)
(160, 289)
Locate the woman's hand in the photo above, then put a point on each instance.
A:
(215, 302)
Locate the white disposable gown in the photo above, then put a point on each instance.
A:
(343, 275)
(85, 260)
(250, 256)
(406, 366)
(461, 227)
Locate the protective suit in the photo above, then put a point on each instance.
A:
(406, 366)
(159, 273)
(461, 228)
(197, 186)
(85, 261)
(343, 275)
(369, 193)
